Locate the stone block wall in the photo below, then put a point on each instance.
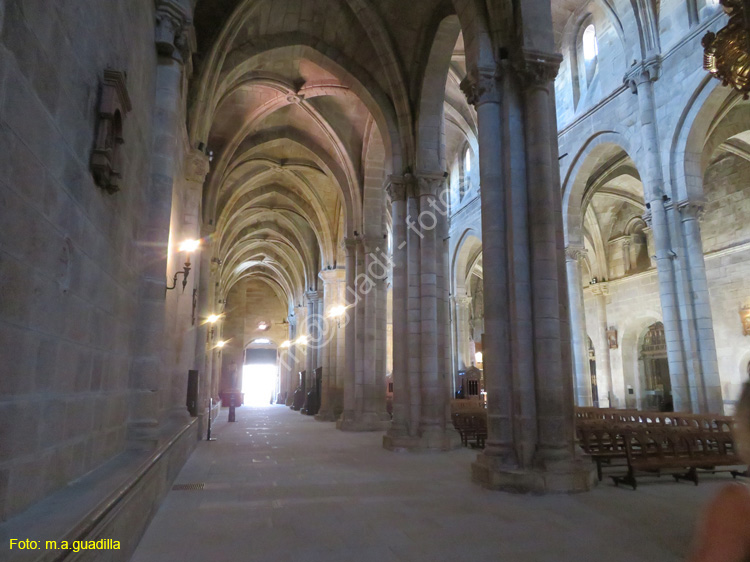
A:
(67, 257)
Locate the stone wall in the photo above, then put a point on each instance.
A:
(67, 257)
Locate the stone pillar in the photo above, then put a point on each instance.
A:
(710, 391)
(396, 190)
(149, 395)
(517, 459)
(330, 392)
(641, 81)
(603, 360)
(429, 397)
(482, 90)
(347, 416)
(579, 337)
(291, 367)
(462, 306)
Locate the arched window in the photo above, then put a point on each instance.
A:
(466, 173)
(590, 44)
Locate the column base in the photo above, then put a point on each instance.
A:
(326, 416)
(562, 477)
(432, 440)
(366, 421)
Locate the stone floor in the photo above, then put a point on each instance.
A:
(280, 486)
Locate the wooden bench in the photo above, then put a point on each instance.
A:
(682, 453)
(472, 426)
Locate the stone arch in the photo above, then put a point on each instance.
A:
(430, 117)
(686, 166)
(631, 338)
(467, 250)
(575, 181)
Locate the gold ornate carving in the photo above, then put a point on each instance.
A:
(727, 53)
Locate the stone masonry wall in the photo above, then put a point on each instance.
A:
(69, 287)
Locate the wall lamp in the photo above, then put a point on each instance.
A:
(188, 246)
(338, 313)
(302, 340)
(287, 344)
(221, 343)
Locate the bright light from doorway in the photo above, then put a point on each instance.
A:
(258, 384)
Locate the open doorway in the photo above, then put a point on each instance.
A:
(259, 384)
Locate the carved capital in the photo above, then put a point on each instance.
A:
(480, 86)
(691, 210)
(398, 188)
(175, 35)
(349, 245)
(575, 253)
(196, 166)
(648, 218)
(430, 184)
(647, 70)
(313, 296)
(537, 69)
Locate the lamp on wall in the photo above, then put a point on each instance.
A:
(338, 313)
(286, 345)
(188, 246)
(727, 52)
(745, 317)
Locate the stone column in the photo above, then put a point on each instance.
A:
(482, 91)
(463, 337)
(149, 395)
(579, 337)
(641, 79)
(397, 193)
(603, 360)
(347, 416)
(292, 378)
(710, 391)
(330, 389)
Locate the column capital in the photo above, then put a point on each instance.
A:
(575, 253)
(313, 296)
(430, 184)
(647, 70)
(373, 243)
(349, 244)
(480, 86)
(691, 210)
(462, 300)
(536, 68)
(329, 276)
(400, 188)
(600, 288)
(175, 34)
(196, 166)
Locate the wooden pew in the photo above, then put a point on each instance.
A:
(472, 426)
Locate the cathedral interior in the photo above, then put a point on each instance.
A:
(355, 279)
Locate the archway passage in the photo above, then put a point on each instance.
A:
(259, 383)
(656, 385)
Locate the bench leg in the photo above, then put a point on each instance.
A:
(736, 473)
(691, 475)
(629, 478)
(599, 469)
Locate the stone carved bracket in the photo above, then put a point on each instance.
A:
(648, 70)
(114, 104)
(600, 288)
(537, 69)
(196, 166)
(481, 86)
(575, 254)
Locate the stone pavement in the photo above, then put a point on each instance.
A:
(279, 486)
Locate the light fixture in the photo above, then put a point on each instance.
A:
(262, 341)
(221, 343)
(745, 317)
(286, 344)
(302, 340)
(262, 326)
(478, 357)
(727, 53)
(214, 318)
(188, 246)
(338, 313)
